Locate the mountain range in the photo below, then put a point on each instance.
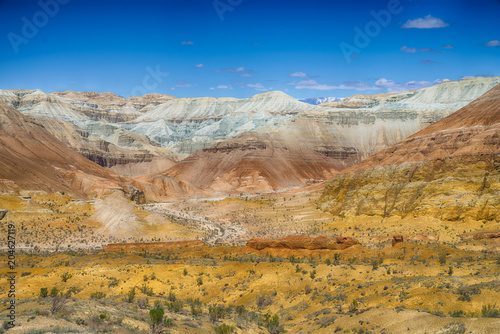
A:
(168, 147)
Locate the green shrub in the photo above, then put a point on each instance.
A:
(490, 311)
(224, 329)
(44, 292)
(156, 318)
(98, 295)
(66, 276)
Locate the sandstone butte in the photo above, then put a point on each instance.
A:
(303, 242)
(153, 246)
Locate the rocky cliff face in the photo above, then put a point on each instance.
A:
(85, 122)
(450, 170)
(136, 155)
(334, 136)
(34, 159)
(189, 125)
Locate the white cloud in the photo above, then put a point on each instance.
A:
(313, 84)
(298, 75)
(447, 47)
(414, 50)
(393, 86)
(184, 84)
(493, 43)
(199, 65)
(187, 42)
(224, 87)
(427, 22)
(407, 49)
(238, 69)
(246, 75)
(258, 86)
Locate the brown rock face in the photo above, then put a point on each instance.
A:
(472, 130)
(396, 239)
(303, 242)
(153, 246)
(261, 162)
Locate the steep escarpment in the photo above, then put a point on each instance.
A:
(450, 170)
(34, 159)
(192, 124)
(137, 155)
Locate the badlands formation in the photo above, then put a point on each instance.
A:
(124, 206)
(152, 134)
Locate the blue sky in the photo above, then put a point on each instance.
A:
(240, 48)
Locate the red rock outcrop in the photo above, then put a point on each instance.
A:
(153, 246)
(486, 235)
(303, 242)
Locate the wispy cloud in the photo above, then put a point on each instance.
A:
(199, 65)
(224, 87)
(184, 84)
(313, 84)
(246, 75)
(239, 69)
(415, 50)
(187, 42)
(258, 86)
(447, 47)
(493, 43)
(393, 86)
(428, 22)
(300, 75)
(427, 61)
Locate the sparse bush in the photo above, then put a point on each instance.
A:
(453, 328)
(326, 321)
(272, 323)
(490, 311)
(457, 314)
(44, 292)
(98, 295)
(176, 306)
(196, 311)
(442, 258)
(131, 295)
(313, 274)
(263, 300)
(66, 276)
(353, 308)
(224, 329)
(308, 290)
(168, 322)
(156, 318)
(199, 281)
(148, 291)
(216, 313)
